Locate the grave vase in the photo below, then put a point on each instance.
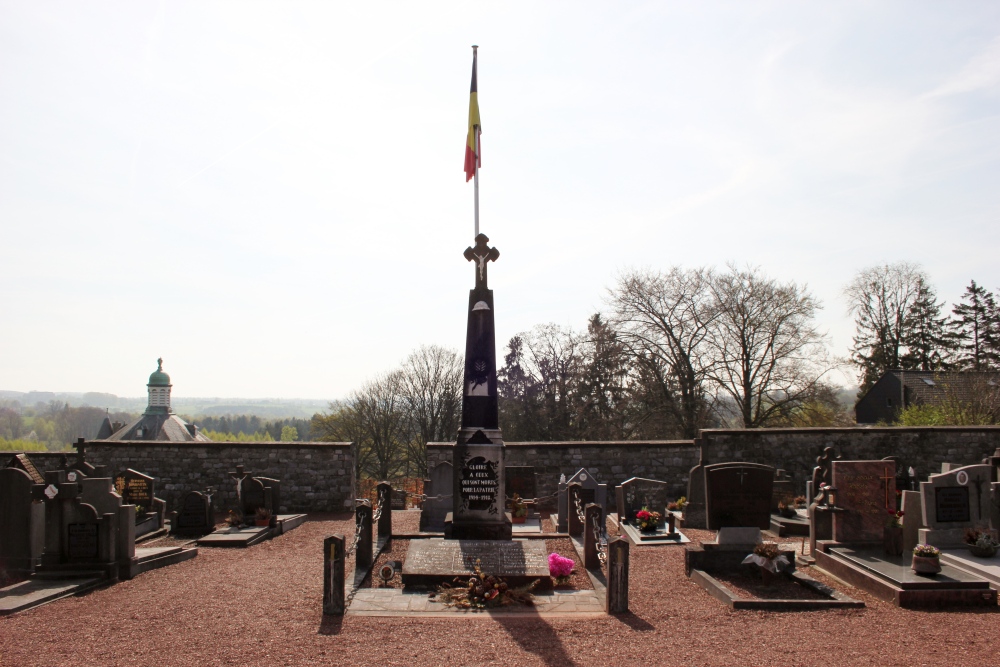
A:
(767, 577)
(926, 564)
(892, 540)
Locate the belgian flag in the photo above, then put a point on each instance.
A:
(473, 143)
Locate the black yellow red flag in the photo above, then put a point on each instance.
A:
(473, 142)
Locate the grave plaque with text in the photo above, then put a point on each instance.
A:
(865, 492)
(951, 503)
(135, 489)
(81, 541)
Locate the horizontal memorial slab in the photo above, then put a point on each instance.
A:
(435, 561)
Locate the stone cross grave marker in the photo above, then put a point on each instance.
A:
(953, 501)
(739, 494)
(239, 475)
(865, 492)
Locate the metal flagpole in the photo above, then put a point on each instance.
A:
(475, 50)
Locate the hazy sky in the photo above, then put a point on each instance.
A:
(271, 196)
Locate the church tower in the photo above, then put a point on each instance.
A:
(159, 391)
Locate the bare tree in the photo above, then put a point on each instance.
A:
(768, 355)
(431, 392)
(880, 299)
(664, 321)
(375, 420)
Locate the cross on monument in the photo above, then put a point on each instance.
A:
(885, 483)
(481, 254)
(741, 474)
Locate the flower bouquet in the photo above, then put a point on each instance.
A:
(648, 521)
(483, 591)
(518, 509)
(786, 510)
(982, 544)
(560, 568)
(769, 559)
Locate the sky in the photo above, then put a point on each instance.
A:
(270, 195)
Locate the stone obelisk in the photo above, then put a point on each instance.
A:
(479, 500)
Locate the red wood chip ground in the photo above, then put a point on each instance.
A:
(263, 606)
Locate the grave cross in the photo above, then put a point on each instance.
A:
(885, 483)
(239, 476)
(742, 474)
(481, 254)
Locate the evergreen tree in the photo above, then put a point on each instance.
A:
(977, 329)
(925, 333)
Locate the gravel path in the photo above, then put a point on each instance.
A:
(262, 606)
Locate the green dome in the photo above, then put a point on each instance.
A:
(159, 378)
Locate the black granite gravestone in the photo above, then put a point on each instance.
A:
(951, 503)
(136, 489)
(521, 480)
(195, 516)
(738, 494)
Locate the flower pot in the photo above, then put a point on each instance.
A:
(518, 519)
(647, 528)
(892, 540)
(263, 522)
(767, 577)
(982, 552)
(926, 564)
(788, 512)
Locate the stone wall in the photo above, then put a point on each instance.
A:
(315, 476)
(794, 450)
(610, 462)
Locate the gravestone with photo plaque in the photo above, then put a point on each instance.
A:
(739, 495)
(637, 494)
(591, 491)
(953, 501)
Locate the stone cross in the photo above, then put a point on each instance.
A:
(481, 254)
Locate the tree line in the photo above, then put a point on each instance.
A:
(899, 325)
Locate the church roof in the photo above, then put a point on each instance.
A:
(164, 427)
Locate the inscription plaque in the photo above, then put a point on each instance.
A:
(134, 489)
(480, 484)
(457, 558)
(81, 541)
(951, 503)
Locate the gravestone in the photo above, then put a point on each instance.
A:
(521, 480)
(591, 491)
(638, 493)
(783, 490)
(22, 462)
(694, 512)
(136, 489)
(820, 512)
(738, 494)
(275, 493)
(438, 503)
(195, 516)
(913, 517)
(436, 561)
(258, 492)
(76, 537)
(99, 493)
(953, 501)
(22, 522)
(398, 499)
(865, 492)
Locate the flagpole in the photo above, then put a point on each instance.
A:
(475, 49)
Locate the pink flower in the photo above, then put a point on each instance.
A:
(642, 515)
(560, 566)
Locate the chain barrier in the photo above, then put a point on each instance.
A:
(357, 538)
(579, 510)
(600, 541)
(377, 514)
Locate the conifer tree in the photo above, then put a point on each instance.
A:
(926, 336)
(977, 329)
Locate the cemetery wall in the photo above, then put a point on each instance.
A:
(794, 450)
(314, 476)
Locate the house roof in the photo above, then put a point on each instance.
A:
(167, 427)
(929, 387)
